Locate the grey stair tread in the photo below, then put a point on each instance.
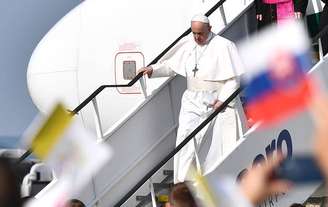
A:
(168, 172)
(160, 186)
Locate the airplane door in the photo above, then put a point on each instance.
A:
(126, 65)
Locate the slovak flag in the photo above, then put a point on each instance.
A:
(276, 80)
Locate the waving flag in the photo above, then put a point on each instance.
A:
(276, 62)
(62, 143)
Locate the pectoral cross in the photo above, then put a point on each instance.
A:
(195, 70)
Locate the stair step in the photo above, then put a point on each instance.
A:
(168, 172)
(160, 186)
(141, 198)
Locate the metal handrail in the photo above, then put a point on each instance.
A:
(83, 104)
(100, 89)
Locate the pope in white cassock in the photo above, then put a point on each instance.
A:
(212, 67)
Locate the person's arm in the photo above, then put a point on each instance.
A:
(258, 184)
(254, 187)
(157, 70)
(233, 61)
(161, 70)
(227, 89)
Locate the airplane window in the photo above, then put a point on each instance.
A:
(129, 69)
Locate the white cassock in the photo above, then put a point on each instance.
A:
(216, 77)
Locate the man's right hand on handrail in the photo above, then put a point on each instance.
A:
(146, 71)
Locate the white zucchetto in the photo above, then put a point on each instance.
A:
(200, 18)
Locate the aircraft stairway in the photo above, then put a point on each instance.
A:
(256, 145)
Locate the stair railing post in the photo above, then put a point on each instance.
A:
(143, 85)
(223, 16)
(152, 193)
(198, 165)
(320, 49)
(99, 130)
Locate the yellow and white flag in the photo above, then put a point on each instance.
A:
(69, 149)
